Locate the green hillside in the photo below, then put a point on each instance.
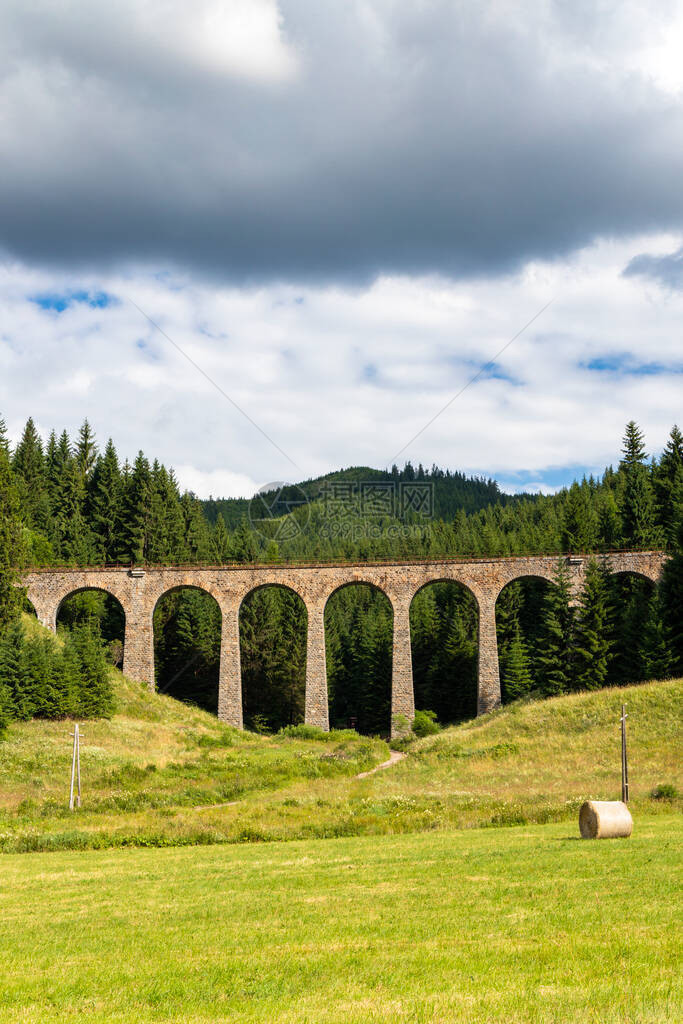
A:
(160, 772)
(450, 493)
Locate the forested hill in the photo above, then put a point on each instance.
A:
(446, 492)
(76, 502)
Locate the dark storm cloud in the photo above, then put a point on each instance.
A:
(454, 138)
(666, 270)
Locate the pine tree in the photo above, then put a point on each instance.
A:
(609, 521)
(86, 451)
(556, 640)
(657, 657)
(671, 594)
(592, 645)
(637, 505)
(105, 504)
(95, 698)
(197, 539)
(517, 677)
(580, 526)
(668, 484)
(76, 544)
(633, 447)
(243, 544)
(11, 648)
(136, 510)
(28, 466)
(4, 442)
(628, 606)
(11, 543)
(220, 541)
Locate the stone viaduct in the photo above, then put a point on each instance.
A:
(139, 589)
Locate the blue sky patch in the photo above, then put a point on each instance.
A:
(57, 302)
(546, 480)
(626, 364)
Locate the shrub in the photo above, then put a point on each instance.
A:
(259, 724)
(425, 723)
(664, 791)
(304, 732)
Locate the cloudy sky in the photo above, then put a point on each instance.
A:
(262, 240)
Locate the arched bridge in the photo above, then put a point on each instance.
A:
(139, 589)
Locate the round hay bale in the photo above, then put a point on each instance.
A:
(605, 819)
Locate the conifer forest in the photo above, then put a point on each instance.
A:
(73, 501)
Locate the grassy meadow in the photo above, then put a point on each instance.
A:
(526, 924)
(161, 773)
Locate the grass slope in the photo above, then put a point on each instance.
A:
(161, 773)
(512, 925)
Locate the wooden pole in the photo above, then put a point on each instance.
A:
(75, 769)
(78, 764)
(624, 760)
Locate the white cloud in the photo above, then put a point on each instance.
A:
(295, 361)
(220, 483)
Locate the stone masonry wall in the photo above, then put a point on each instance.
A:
(139, 590)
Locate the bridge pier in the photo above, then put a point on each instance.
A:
(316, 706)
(230, 672)
(138, 649)
(402, 692)
(488, 675)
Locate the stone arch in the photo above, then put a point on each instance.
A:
(187, 620)
(174, 587)
(109, 613)
(359, 635)
(444, 648)
(93, 588)
(650, 577)
(263, 584)
(273, 627)
(358, 583)
(528, 574)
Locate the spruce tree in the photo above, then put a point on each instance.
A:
(244, 547)
(609, 521)
(11, 544)
(516, 677)
(637, 504)
(86, 451)
(76, 542)
(11, 650)
(28, 465)
(4, 441)
(220, 541)
(136, 510)
(105, 504)
(671, 593)
(580, 526)
(668, 483)
(633, 447)
(591, 641)
(657, 659)
(555, 657)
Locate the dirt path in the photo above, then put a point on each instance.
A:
(394, 757)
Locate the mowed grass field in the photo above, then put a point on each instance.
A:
(526, 924)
